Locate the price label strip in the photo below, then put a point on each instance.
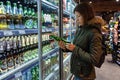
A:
(8, 33)
(22, 32)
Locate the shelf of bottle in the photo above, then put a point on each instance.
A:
(48, 4)
(52, 6)
(17, 32)
(50, 52)
(19, 70)
(21, 32)
(8, 16)
(57, 68)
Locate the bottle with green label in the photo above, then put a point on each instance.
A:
(25, 11)
(58, 38)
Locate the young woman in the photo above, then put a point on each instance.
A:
(87, 45)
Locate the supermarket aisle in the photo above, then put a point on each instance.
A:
(109, 71)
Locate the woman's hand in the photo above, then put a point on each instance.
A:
(62, 45)
(70, 47)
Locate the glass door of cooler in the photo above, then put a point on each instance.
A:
(50, 50)
(18, 40)
(68, 34)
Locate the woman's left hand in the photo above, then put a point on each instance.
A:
(70, 47)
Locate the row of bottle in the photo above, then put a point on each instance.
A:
(17, 42)
(47, 17)
(29, 74)
(18, 24)
(15, 58)
(15, 10)
(49, 64)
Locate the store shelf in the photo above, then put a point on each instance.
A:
(17, 32)
(50, 52)
(22, 32)
(48, 4)
(52, 6)
(57, 68)
(18, 70)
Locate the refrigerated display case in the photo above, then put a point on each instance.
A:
(26, 50)
(18, 40)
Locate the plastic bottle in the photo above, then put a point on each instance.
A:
(8, 8)
(2, 8)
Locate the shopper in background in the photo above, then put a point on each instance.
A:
(87, 45)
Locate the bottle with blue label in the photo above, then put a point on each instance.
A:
(15, 9)
(8, 8)
(21, 13)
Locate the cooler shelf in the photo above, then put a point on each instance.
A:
(18, 71)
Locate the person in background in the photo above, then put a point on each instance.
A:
(87, 45)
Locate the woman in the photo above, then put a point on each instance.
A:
(87, 45)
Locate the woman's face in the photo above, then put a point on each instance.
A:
(79, 19)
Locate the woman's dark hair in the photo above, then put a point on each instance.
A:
(86, 11)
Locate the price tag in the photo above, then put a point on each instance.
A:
(8, 33)
(43, 30)
(21, 31)
(18, 74)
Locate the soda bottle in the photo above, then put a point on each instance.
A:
(2, 8)
(15, 9)
(3, 63)
(25, 11)
(19, 42)
(21, 20)
(20, 10)
(8, 8)
(10, 24)
(58, 38)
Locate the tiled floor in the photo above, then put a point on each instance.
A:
(108, 71)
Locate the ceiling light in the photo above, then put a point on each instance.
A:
(117, 0)
(90, 2)
(18, 1)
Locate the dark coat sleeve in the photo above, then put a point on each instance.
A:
(95, 50)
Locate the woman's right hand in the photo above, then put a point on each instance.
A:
(62, 45)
